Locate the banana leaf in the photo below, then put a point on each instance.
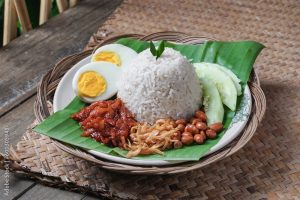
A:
(237, 56)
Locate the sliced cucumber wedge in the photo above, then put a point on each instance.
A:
(222, 81)
(234, 78)
(212, 102)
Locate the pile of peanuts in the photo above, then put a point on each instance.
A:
(168, 133)
(196, 131)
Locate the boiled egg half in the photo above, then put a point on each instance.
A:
(96, 81)
(117, 54)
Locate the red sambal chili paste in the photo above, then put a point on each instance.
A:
(108, 122)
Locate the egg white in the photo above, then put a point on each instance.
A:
(109, 71)
(125, 53)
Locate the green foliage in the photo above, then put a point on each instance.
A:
(54, 9)
(157, 52)
(33, 7)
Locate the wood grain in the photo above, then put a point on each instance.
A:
(27, 58)
(45, 8)
(73, 3)
(16, 123)
(18, 186)
(44, 192)
(62, 5)
(10, 22)
(23, 15)
(90, 198)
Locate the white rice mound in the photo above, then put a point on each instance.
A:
(164, 88)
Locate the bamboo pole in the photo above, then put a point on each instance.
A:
(73, 3)
(23, 15)
(45, 9)
(62, 5)
(10, 22)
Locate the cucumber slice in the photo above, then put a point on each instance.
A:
(222, 81)
(212, 102)
(234, 78)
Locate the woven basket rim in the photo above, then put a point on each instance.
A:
(50, 81)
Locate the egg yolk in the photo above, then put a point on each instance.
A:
(91, 84)
(108, 56)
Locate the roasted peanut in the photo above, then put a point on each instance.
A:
(191, 128)
(210, 133)
(203, 134)
(201, 126)
(187, 134)
(195, 130)
(199, 139)
(187, 139)
(181, 127)
(201, 115)
(181, 121)
(177, 144)
(216, 127)
(195, 121)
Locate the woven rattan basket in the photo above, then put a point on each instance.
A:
(50, 81)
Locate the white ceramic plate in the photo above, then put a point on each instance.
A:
(64, 95)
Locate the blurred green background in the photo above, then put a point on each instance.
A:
(33, 7)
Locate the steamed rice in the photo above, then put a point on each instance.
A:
(164, 88)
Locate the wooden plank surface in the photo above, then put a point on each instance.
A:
(90, 198)
(27, 58)
(16, 122)
(44, 193)
(18, 186)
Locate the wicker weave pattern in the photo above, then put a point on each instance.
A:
(272, 167)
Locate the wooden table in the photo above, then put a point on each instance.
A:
(23, 62)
